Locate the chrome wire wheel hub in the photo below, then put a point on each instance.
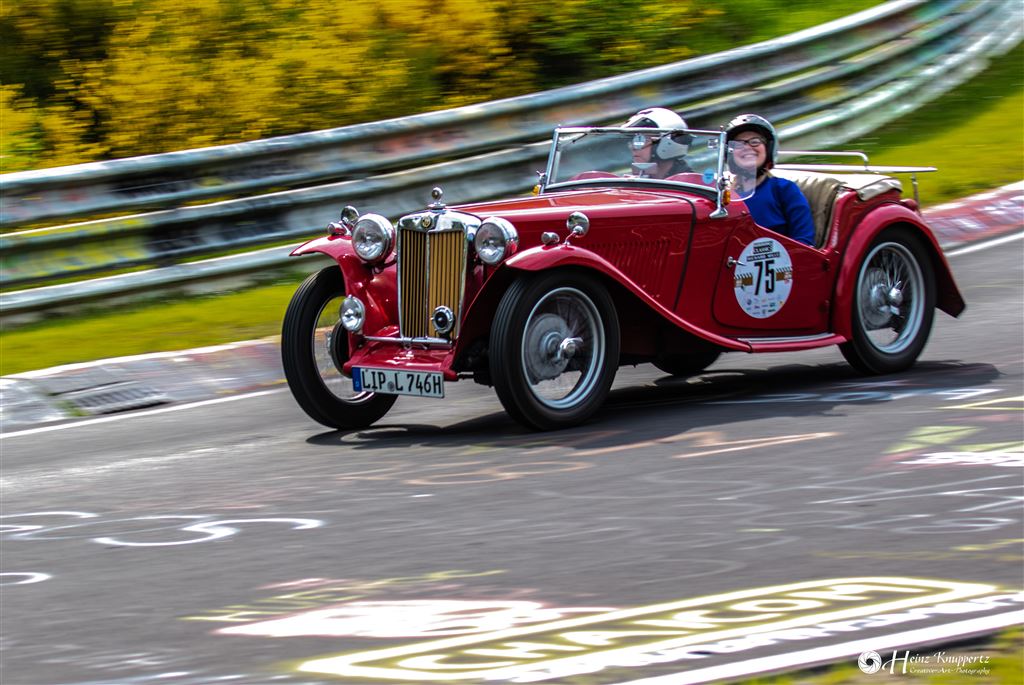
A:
(544, 337)
(890, 297)
(877, 314)
(563, 344)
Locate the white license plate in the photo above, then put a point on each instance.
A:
(398, 382)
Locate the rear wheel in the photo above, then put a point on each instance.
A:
(554, 349)
(893, 305)
(314, 347)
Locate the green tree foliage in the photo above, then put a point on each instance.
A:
(85, 80)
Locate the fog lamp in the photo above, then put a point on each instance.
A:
(352, 314)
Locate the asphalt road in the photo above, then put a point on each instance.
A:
(698, 529)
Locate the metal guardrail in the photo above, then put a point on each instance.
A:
(860, 93)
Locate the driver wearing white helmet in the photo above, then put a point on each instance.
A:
(659, 155)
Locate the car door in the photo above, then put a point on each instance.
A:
(770, 285)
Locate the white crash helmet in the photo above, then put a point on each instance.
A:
(666, 147)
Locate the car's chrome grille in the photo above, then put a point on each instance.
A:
(412, 284)
(432, 270)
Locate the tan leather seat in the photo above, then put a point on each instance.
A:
(821, 191)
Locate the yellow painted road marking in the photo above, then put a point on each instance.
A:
(998, 404)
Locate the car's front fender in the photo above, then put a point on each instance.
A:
(376, 288)
(948, 297)
(564, 256)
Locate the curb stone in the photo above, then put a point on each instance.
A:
(126, 383)
(978, 217)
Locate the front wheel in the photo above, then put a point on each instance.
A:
(554, 349)
(893, 305)
(314, 346)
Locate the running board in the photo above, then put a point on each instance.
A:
(796, 342)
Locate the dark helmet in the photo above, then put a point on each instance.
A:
(668, 146)
(754, 122)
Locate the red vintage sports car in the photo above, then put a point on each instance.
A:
(545, 296)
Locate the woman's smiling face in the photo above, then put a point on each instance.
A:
(749, 150)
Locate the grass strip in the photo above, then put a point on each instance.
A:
(973, 134)
(151, 327)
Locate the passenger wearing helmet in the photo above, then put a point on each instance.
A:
(659, 155)
(774, 203)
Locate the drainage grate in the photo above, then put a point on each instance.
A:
(113, 397)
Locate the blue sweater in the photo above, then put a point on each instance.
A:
(778, 205)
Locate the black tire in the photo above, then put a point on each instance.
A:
(687, 364)
(313, 348)
(540, 379)
(893, 304)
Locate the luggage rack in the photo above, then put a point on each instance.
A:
(866, 167)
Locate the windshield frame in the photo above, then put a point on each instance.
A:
(718, 191)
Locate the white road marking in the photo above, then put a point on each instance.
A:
(29, 578)
(820, 655)
(985, 245)
(133, 415)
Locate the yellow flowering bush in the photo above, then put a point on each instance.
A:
(84, 80)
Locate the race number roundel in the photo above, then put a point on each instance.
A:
(763, 278)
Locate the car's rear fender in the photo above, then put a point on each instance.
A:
(948, 297)
(376, 289)
(481, 311)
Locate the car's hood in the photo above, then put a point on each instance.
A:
(595, 203)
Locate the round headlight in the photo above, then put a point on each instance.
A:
(373, 238)
(495, 239)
